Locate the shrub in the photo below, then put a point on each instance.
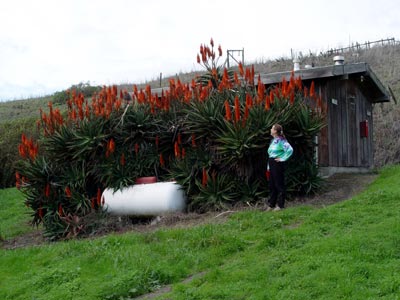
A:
(210, 136)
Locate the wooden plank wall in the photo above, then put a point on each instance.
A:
(341, 144)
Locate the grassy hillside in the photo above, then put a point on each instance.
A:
(14, 216)
(350, 250)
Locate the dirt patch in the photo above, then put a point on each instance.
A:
(338, 187)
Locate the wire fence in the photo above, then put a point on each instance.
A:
(364, 46)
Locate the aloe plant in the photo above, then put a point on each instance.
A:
(210, 135)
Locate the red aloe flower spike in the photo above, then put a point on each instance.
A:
(92, 202)
(122, 159)
(228, 113)
(291, 97)
(237, 109)
(68, 192)
(267, 103)
(204, 178)
(179, 139)
(305, 92)
(47, 190)
(219, 50)
(312, 90)
(98, 196)
(236, 78)
(193, 140)
(212, 42)
(60, 210)
(162, 161)
(136, 148)
(40, 212)
(271, 97)
(241, 71)
(176, 150)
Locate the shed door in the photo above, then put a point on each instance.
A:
(342, 122)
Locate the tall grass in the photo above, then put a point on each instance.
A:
(350, 250)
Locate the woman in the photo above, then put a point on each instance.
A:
(279, 151)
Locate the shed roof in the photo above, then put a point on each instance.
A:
(374, 90)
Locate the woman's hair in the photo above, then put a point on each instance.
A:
(279, 130)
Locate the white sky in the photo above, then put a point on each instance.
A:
(49, 45)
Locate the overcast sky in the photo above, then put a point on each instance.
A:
(49, 45)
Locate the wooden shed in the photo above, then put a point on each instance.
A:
(349, 91)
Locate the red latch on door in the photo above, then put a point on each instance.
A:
(364, 128)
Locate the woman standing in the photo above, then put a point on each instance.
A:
(279, 151)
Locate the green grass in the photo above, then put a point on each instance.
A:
(14, 215)
(350, 250)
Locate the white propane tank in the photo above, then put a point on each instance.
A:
(145, 199)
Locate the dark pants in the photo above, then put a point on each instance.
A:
(277, 183)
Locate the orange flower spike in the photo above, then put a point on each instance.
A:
(249, 100)
(179, 139)
(247, 75)
(246, 114)
(176, 150)
(228, 113)
(87, 112)
(60, 210)
(312, 89)
(98, 196)
(236, 78)
(68, 192)
(319, 103)
(40, 212)
(212, 42)
(21, 151)
(267, 103)
(17, 180)
(237, 109)
(292, 98)
(193, 140)
(241, 71)
(198, 59)
(204, 178)
(305, 92)
(111, 145)
(219, 50)
(136, 148)
(271, 97)
(162, 161)
(47, 190)
(92, 203)
(299, 83)
(122, 159)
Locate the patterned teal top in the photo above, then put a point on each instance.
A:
(280, 148)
